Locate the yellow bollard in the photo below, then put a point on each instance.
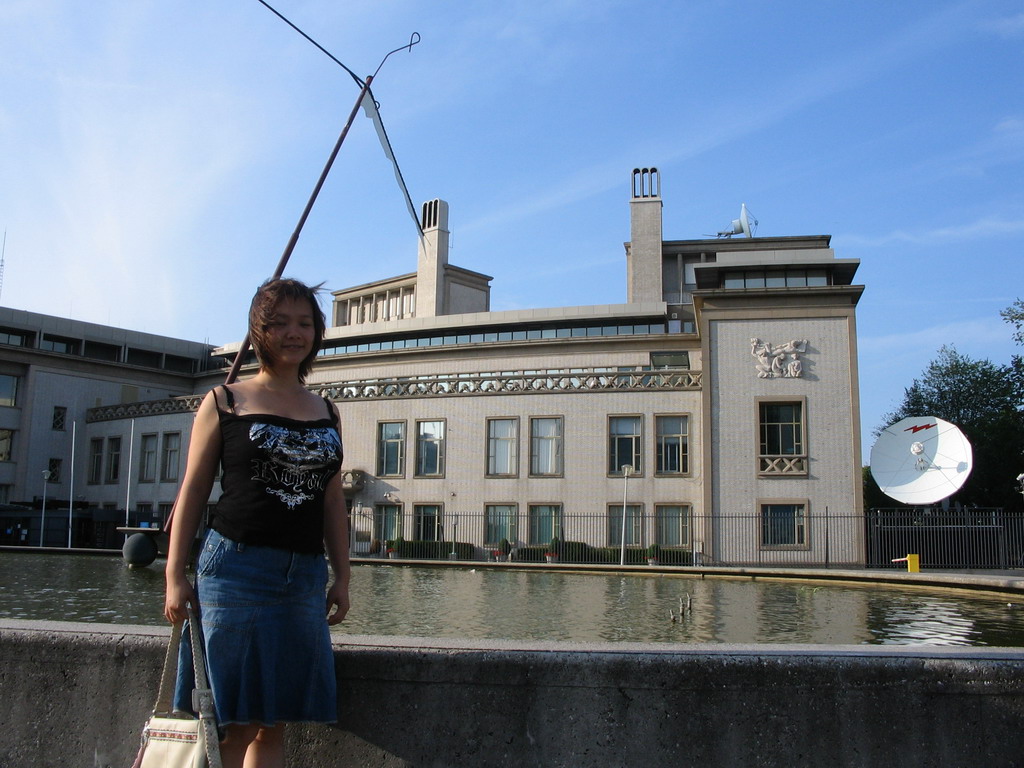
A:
(913, 562)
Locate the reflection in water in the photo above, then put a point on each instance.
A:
(542, 605)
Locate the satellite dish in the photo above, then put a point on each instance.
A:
(742, 225)
(921, 460)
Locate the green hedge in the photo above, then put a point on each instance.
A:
(580, 552)
(431, 550)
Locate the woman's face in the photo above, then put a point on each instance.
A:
(290, 332)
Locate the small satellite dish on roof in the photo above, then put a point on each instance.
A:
(742, 225)
(921, 460)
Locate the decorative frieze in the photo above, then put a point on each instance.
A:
(778, 361)
(185, 404)
(507, 383)
(513, 383)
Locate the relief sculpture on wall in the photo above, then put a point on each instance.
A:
(778, 361)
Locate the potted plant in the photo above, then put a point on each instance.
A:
(553, 550)
(395, 548)
(653, 554)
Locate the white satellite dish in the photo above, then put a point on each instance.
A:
(742, 225)
(921, 460)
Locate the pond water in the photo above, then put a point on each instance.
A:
(481, 603)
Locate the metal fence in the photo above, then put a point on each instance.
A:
(975, 537)
(963, 539)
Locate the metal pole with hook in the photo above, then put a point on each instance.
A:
(364, 91)
(286, 255)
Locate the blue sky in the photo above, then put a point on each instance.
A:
(155, 156)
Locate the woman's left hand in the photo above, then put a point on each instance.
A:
(337, 599)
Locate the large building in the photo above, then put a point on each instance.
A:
(714, 413)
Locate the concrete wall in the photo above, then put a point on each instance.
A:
(77, 695)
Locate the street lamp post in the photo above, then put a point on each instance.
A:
(42, 518)
(453, 555)
(626, 470)
(357, 512)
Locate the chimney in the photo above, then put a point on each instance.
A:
(433, 260)
(643, 252)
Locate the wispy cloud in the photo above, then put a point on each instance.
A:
(980, 229)
(733, 120)
(980, 334)
(1005, 26)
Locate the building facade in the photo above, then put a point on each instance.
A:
(712, 416)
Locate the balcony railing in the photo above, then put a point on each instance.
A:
(782, 465)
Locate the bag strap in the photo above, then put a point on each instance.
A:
(166, 691)
(202, 696)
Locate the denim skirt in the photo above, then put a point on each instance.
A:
(268, 645)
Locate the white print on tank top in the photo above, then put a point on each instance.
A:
(299, 463)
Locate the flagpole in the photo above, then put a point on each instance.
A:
(71, 495)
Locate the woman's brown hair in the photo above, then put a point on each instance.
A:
(261, 312)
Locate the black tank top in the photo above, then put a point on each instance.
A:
(275, 471)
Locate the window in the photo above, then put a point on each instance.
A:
(671, 445)
(672, 525)
(8, 390)
(54, 466)
(500, 523)
(96, 460)
(624, 440)
(546, 446)
(15, 337)
(387, 522)
(634, 525)
(502, 447)
(164, 511)
(545, 523)
(391, 449)
(58, 344)
(145, 357)
(60, 418)
(781, 449)
(427, 522)
(670, 360)
(170, 458)
(6, 444)
(147, 459)
(99, 351)
(113, 459)
(429, 448)
(784, 525)
(179, 364)
(789, 278)
(144, 516)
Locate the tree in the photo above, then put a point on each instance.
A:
(983, 400)
(1014, 315)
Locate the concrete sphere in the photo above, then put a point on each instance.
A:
(139, 550)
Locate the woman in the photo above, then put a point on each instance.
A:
(261, 575)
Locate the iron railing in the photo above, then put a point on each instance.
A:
(963, 539)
